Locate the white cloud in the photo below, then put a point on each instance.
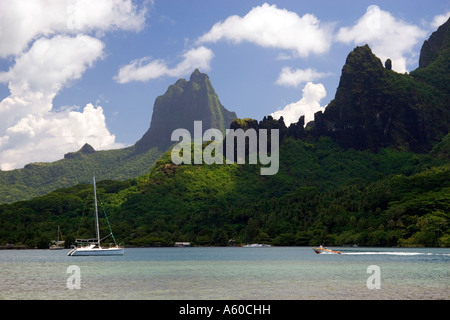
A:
(61, 59)
(23, 21)
(306, 106)
(387, 36)
(39, 74)
(29, 129)
(439, 20)
(294, 78)
(146, 69)
(37, 138)
(48, 43)
(268, 26)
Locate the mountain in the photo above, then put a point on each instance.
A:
(375, 107)
(37, 179)
(184, 102)
(321, 194)
(373, 169)
(434, 48)
(434, 61)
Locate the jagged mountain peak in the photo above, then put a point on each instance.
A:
(198, 77)
(436, 43)
(362, 59)
(375, 107)
(434, 61)
(85, 149)
(183, 103)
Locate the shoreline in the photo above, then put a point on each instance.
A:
(23, 247)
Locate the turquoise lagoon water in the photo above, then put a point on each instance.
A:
(233, 273)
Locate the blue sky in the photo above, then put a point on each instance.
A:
(79, 71)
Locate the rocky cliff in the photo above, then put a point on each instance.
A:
(375, 107)
(183, 103)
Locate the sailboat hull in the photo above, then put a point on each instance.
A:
(56, 247)
(97, 251)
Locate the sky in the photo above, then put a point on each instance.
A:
(82, 71)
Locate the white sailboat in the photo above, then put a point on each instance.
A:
(92, 247)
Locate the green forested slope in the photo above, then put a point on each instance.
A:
(37, 179)
(322, 194)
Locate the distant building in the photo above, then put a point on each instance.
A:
(182, 244)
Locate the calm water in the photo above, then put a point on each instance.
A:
(227, 273)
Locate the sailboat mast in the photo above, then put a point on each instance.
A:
(96, 214)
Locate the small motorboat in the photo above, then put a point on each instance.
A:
(322, 250)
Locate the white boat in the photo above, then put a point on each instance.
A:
(92, 247)
(257, 245)
(58, 244)
(96, 250)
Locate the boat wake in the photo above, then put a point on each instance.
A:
(396, 253)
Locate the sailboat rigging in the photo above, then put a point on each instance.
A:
(58, 244)
(92, 247)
